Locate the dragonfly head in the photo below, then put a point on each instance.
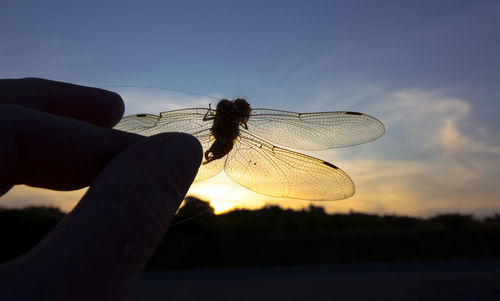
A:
(224, 105)
(242, 108)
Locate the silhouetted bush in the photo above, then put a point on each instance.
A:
(453, 220)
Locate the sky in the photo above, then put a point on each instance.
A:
(429, 70)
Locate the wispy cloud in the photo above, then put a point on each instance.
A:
(433, 158)
(155, 100)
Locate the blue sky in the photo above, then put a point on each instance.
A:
(428, 69)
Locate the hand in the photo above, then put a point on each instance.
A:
(58, 136)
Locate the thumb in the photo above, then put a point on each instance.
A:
(98, 249)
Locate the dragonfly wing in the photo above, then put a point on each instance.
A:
(139, 123)
(196, 122)
(189, 121)
(314, 131)
(211, 168)
(277, 172)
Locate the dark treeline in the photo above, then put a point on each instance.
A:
(21, 229)
(273, 235)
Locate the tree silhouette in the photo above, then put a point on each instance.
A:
(273, 235)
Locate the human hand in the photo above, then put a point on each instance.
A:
(57, 135)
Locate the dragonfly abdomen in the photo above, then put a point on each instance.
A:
(225, 129)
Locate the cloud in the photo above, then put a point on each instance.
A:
(431, 120)
(433, 158)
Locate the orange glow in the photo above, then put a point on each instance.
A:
(382, 187)
(223, 194)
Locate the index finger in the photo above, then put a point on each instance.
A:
(97, 106)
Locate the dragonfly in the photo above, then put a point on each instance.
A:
(250, 145)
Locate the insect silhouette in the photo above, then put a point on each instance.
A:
(240, 140)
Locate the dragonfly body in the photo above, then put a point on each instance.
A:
(241, 141)
(229, 116)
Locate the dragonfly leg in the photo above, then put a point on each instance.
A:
(206, 118)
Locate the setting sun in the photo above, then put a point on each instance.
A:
(225, 195)
(220, 193)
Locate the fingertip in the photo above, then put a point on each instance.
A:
(188, 147)
(97, 106)
(181, 154)
(168, 162)
(93, 105)
(115, 110)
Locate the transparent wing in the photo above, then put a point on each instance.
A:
(213, 167)
(277, 172)
(189, 121)
(314, 131)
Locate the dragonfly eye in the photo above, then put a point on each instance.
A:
(224, 105)
(242, 108)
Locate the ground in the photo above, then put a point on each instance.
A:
(422, 280)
